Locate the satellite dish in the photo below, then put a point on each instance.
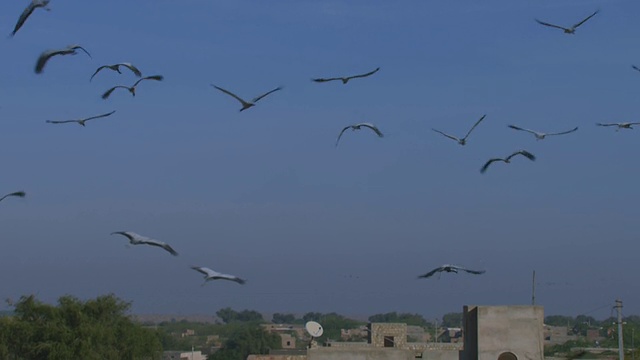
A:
(314, 329)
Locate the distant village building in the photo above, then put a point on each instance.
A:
(353, 334)
(188, 332)
(183, 355)
(288, 341)
(451, 335)
(594, 335)
(555, 335)
(489, 333)
(287, 332)
(215, 339)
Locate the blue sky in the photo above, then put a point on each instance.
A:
(265, 195)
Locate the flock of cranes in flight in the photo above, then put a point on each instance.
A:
(209, 274)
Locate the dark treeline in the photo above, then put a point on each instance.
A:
(74, 329)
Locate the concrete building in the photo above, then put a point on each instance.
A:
(489, 333)
(503, 333)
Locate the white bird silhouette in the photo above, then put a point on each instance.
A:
(540, 135)
(214, 275)
(346, 79)
(357, 127)
(137, 239)
(462, 141)
(623, 125)
(16, 194)
(80, 121)
(34, 4)
(132, 89)
(246, 104)
(116, 68)
(507, 160)
(450, 268)
(46, 55)
(570, 30)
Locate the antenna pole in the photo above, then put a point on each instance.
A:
(533, 289)
(620, 342)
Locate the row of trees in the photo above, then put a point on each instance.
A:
(74, 329)
(229, 315)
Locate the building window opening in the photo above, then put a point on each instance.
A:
(507, 356)
(388, 342)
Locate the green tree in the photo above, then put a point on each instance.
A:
(250, 316)
(332, 323)
(283, 318)
(245, 340)
(452, 320)
(311, 316)
(229, 315)
(95, 329)
(558, 320)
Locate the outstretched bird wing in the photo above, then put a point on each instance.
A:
(635, 67)
(231, 94)
(342, 132)
(265, 94)
(430, 273)
(552, 25)
(326, 79)
(364, 75)
(229, 277)
(372, 127)
(486, 165)
(587, 18)
(161, 244)
(474, 126)
(44, 57)
(17, 194)
(477, 272)
(524, 153)
(445, 134)
(204, 270)
(523, 129)
(60, 121)
(98, 70)
(76, 47)
(564, 132)
(152, 77)
(129, 235)
(130, 66)
(611, 124)
(108, 92)
(26, 13)
(99, 116)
